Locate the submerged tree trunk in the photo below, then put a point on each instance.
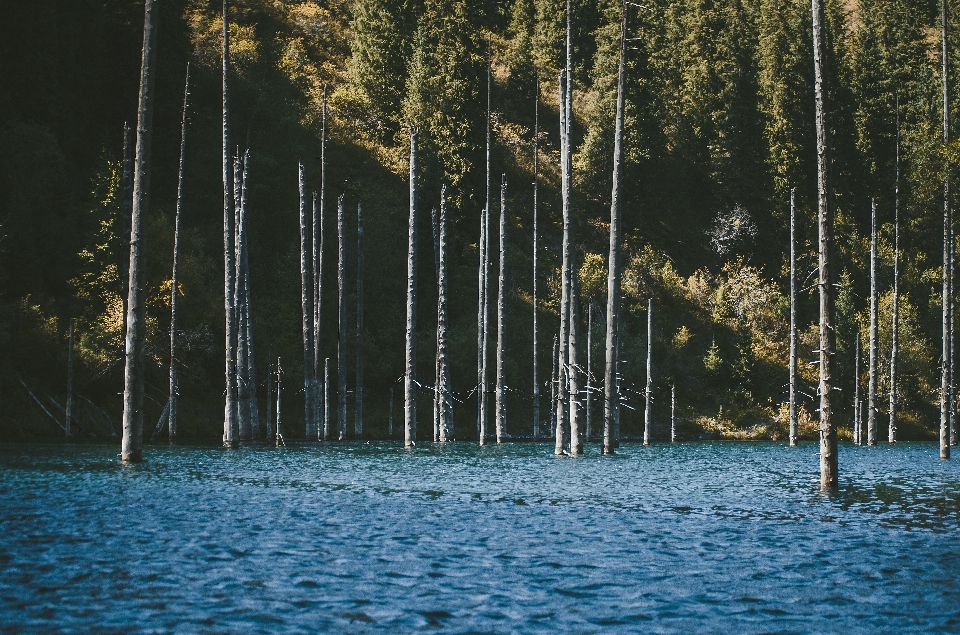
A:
(857, 436)
(133, 376)
(127, 212)
(410, 370)
(443, 378)
(390, 414)
(315, 387)
(611, 399)
(68, 412)
(306, 304)
(895, 312)
(174, 286)
(554, 378)
(358, 394)
(536, 179)
(240, 294)
(279, 395)
(342, 322)
(794, 429)
(648, 391)
(231, 431)
(318, 237)
(326, 399)
(576, 434)
(872, 379)
(485, 283)
(566, 250)
(945, 357)
(570, 344)
(250, 373)
(500, 404)
(435, 223)
(673, 413)
(828, 432)
(270, 392)
(589, 388)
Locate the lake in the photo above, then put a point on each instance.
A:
(717, 537)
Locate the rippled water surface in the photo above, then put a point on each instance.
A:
(369, 538)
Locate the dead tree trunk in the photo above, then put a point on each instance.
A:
(611, 400)
(794, 428)
(270, 392)
(562, 370)
(410, 370)
(127, 211)
(250, 373)
(648, 391)
(435, 223)
(174, 286)
(231, 430)
(390, 414)
(68, 411)
(589, 388)
(342, 322)
(536, 179)
(569, 271)
(133, 376)
(554, 378)
(872, 379)
(945, 357)
(326, 399)
(485, 283)
(857, 437)
(500, 403)
(318, 237)
(573, 379)
(279, 396)
(828, 432)
(443, 380)
(358, 394)
(243, 385)
(315, 395)
(306, 304)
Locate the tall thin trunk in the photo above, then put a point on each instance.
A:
(500, 404)
(945, 357)
(618, 383)
(573, 379)
(318, 237)
(231, 430)
(279, 395)
(872, 379)
(895, 317)
(358, 394)
(443, 379)
(306, 304)
(342, 322)
(315, 344)
(611, 399)
(589, 388)
(326, 399)
(68, 418)
(270, 392)
(174, 286)
(573, 392)
(240, 295)
(133, 376)
(435, 224)
(857, 437)
(554, 378)
(250, 373)
(562, 385)
(794, 428)
(485, 279)
(410, 370)
(390, 414)
(648, 391)
(127, 211)
(673, 413)
(828, 432)
(536, 179)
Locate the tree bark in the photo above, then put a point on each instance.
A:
(648, 391)
(315, 387)
(279, 395)
(554, 378)
(231, 431)
(270, 434)
(326, 399)
(536, 179)
(127, 212)
(174, 285)
(485, 280)
(611, 400)
(828, 432)
(443, 384)
(306, 304)
(872, 379)
(358, 394)
(390, 414)
(250, 370)
(133, 376)
(500, 403)
(409, 376)
(895, 317)
(435, 223)
(342, 321)
(673, 413)
(794, 427)
(240, 294)
(945, 357)
(318, 237)
(857, 436)
(68, 411)
(562, 371)
(589, 388)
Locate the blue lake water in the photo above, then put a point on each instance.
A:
(369, 538)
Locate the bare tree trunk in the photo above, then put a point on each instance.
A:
(358, 425)
(500, 404)
(945, 357)
(315, 233)
(435, 223)
(648, 391)
(857, 436)
(443, 379)
(794, 428)
(673, 413)
(306, 303)
(342, 321)
(566, 249)
(828, 432)
(68, 416)
(279, 395)
(568, 265)
(895, 317)
(390, 414)
(611, 399)
(536, 179)
(318, 237)
(133, 376)
(326, 399)
(485, 281)
(872, 379)
(243, 366)
(174, 286)
(617, 383)
(250, 372)
(589, 388)
(576, 436)
(127, 211)
(231, 430)
(554, 378)
(953, 350)
(409, 376)
(270, 434)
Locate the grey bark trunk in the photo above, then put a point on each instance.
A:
(562, 370)
(872, 379)
(127, 211)
(443, 383)
(174, 286)
(611, 399)
(589, 388)
(318, 237)
(485, 281)
(857, 436)
(828, 432)
(315, 318)
(250, 374)
(342, 322)
(279, 400)
(390, 414)
(68, 411)
(435, 223)
(573, 392)
(231, 431)
(536, 179)
(409, 375)
(326, 399)
(358, 394)
(133, 376)
(554, 378)
(573, 362)
(648, 391)
(270, 434)
(794, 428)
(243, 386)
(500, 404)
(895, 317)
(306, 305)
(673, 413)
(945, 357)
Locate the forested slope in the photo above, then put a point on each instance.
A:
(719, 128)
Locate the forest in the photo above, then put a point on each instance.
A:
(717, 159)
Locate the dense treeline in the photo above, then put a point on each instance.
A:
(718, 123)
